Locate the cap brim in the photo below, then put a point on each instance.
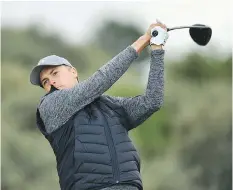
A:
(35, 74)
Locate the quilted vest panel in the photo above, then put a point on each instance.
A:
(93, 150)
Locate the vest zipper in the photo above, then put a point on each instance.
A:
(112, 151)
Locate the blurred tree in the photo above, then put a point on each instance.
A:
(113, 36)
(28, 46)
(199, 68)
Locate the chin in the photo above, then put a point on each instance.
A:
(60, 87)
(64, 87)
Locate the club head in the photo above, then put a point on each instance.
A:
(201, 35)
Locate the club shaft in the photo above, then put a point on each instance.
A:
(180, 27)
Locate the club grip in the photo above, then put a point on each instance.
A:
(155, 33)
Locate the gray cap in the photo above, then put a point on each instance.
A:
(51, 60)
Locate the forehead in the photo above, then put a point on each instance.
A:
(46, 70)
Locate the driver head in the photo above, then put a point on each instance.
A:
(201, 35)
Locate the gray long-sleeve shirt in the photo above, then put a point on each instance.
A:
(57, 107)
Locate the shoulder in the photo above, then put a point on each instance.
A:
(117, 100)
(48, 99)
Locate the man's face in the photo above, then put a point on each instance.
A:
(61, 77)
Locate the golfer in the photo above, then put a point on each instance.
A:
(87, 130)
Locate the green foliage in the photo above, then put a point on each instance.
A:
(112, 36)
(29, 46)
(198, 68)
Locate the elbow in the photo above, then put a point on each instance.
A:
(160, 103)
(157, 105)
(160, 106)
(154, 104)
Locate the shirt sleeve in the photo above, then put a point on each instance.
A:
(57, 107)
(141, 107)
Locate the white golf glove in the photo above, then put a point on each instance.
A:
(161, 38)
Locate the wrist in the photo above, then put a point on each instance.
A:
(154, 47)
(141, 43)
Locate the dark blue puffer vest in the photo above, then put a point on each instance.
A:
(93, 150)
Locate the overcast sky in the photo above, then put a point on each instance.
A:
(76, 20)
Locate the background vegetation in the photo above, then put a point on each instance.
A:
(186, 145)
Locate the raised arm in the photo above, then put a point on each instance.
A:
(141, 107)
(57, 107)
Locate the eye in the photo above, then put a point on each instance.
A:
(45, 82)
(54, 73)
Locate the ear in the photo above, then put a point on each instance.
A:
(74, 71)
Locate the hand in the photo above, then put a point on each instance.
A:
(153, 25)
(148, 32)
(144, 40)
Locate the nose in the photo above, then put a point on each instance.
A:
(52, 82)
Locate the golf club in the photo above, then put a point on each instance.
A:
(200, 33)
